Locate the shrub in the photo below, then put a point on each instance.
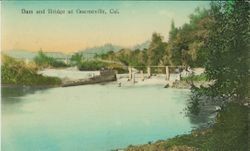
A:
(18, 73)
(98, 65)
(43, 60)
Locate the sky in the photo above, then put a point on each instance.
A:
(134, 24)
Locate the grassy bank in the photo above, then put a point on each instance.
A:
(201, 77)
(229, 133)
(15, 72)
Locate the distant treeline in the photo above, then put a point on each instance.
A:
(185, 45)
(43, 61)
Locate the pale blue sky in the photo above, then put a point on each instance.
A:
(135, 23)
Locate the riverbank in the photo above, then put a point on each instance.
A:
(230, 132)
(183, 84)
(73, 74)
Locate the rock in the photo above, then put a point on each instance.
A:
(246, 104)
(119, 84)
(217, 108)
(166, 86)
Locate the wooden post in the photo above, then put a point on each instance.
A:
(149, 72)
(133, 80)
(129, 73)
(142, 75)
(68, 60)
(167, 73)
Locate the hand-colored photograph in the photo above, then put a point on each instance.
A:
(125, 75)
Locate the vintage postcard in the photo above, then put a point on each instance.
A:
(124, 75)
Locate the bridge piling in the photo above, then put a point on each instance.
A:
(129, 73)
(167, 73)
(149, 72)
(142, 75)
(133, 79)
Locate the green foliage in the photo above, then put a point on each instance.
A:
(128, 57)
(90, 65)
(227, 62)
(194, 105)
(18, 73)
(117, 67)
(43, 60)
(125, 56)
(76, 59)
(173, 31)
(109, 55)
(228, 47)
(229, 133)
(156, 49)
(186, 44)
(201, 77)
(132, 58)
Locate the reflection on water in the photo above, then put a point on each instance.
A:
(92, 117)
(12, 92)
(10, 97)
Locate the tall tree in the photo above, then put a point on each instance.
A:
(156, 49)
(173, 31)
(186, 44)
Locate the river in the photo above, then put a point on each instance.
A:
(91, 117)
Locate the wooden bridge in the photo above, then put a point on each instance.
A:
(131, 74)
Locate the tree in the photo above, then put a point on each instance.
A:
(173, 31)
(43, 60)
(156, 49)
(186, 44)
(228, 47)
(76, 59)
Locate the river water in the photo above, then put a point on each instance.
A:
(91, 117)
